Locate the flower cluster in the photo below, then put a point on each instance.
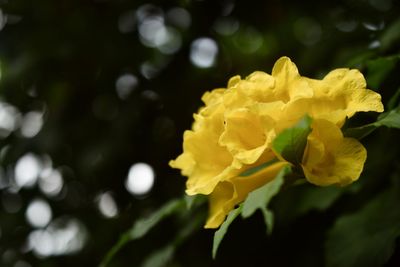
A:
(235, 130)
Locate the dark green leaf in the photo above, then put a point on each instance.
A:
(258, 168)
(360, 132)
(367, 237)
(260, 198)
(189, 200)
(194, 201)
(163, 256)
(220, 233)
(290, 144)
(394, 100)
(389, 119)
(307, 197)
(318, 198)
(358, 59)
(143, 226)
(391, 36)
(160, 257)
(378, 69)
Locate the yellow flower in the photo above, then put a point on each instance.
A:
(235, 129)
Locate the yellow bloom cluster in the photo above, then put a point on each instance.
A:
(235, 129)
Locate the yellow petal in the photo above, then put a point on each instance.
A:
(245, 135)
(211, 160)
(203, 160)
(250, 156)
(338, 96)
(217, 202)
(244, 185)
(236, 98)
(314, 152)
(331, 158)
(364, 100)
(259, 86)
(230, 193)
(271, 110)
(317, 108)
(344, 79)
(185, 162)
(243, 131)
(289, 85)
(213, 97)
(351, 84)
(345, 89)
(284, 70)
(234, 81)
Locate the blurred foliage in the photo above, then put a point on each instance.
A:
(111, 92)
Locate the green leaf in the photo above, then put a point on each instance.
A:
(391, 36)
(358, 59)
(367, 237)
(190, 200)
(378, 69)
(307, 197)
(360, 132)
(290, 144)
(318, 198)
(194, 201)
(260, 198)
(220, 233)
(258, 168)
(394, 100)
(160, 257)
(164, 255)
(389, 119)
(143, 226)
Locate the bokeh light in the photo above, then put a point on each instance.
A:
(374, 25)
(226, 26)
(21, 263)
(3, 179)
(149, 70)
(107, 205)
(3, 20)
(31, 123)
(154, 32)
(38, 213)
(248, 39)
(125, 84)
(63, 236)
(140, 179)
(27, 170)
(51, 182)
(307, 31)
(203, 52)
(346, 25)
(179, 17)
(9, 119)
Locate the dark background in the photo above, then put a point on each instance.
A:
(62, 59)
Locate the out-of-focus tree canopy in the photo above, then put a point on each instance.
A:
(94, 94)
